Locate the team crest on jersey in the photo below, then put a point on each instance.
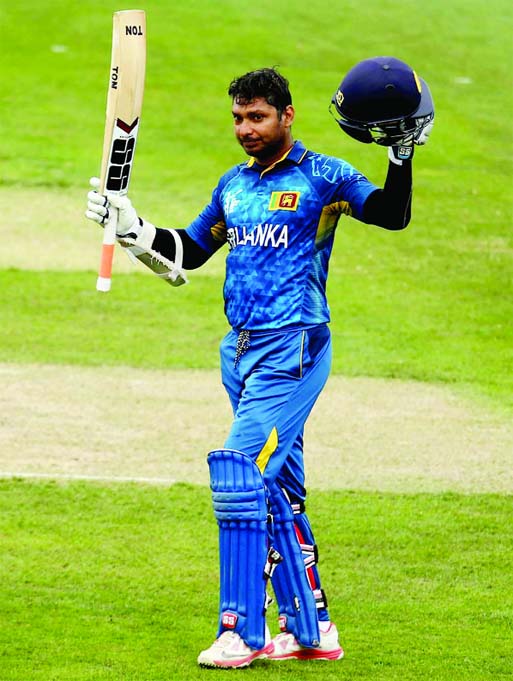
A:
(284, 200)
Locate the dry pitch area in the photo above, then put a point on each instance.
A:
(369, 434)
(131, 423)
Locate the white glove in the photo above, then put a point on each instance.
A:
(98, 210)
(404, 149)
(422, 135)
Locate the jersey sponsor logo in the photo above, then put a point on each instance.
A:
(267, 235)
(284, 200)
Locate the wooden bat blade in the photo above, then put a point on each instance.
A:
(124, 105)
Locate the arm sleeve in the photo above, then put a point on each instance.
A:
(390, 207)
(193, 255)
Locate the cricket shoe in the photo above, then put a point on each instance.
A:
(286, 647)
(231, 652)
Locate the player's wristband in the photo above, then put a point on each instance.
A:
(399, 153)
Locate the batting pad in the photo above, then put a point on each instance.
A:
(240, 507)
(294, 593)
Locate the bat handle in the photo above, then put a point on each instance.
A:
(103, 282)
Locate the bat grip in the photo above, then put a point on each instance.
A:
(103, 282)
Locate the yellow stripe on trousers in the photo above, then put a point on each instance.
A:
(267, 450)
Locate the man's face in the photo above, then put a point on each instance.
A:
(260, 131)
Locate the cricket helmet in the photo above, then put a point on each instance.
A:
(382, 100)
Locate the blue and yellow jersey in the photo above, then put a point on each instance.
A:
(279, 223)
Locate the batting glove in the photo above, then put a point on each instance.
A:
(98, 210)
(422, 135)
(404, 150)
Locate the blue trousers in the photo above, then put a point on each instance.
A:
(272, 387)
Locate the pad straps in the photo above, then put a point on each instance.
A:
(178, 249)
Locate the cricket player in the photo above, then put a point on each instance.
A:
(277, 215)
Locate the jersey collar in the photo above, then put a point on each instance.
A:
(296, 154)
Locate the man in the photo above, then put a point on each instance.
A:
(278, 213)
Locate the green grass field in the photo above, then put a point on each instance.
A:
(107, 583)
(119, 581)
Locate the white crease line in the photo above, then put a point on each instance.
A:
(97, 478)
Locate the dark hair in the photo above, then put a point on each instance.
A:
(266, 83)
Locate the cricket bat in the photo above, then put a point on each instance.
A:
(124, 104)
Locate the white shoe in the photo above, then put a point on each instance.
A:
(286, 647)
(229, 650)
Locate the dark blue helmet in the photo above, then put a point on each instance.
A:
(382, 100)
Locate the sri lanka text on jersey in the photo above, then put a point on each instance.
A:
(266, 235)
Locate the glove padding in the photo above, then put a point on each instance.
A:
(99, 207)
(403, 151)
(422, 135)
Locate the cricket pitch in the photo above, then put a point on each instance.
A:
(158, 426)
